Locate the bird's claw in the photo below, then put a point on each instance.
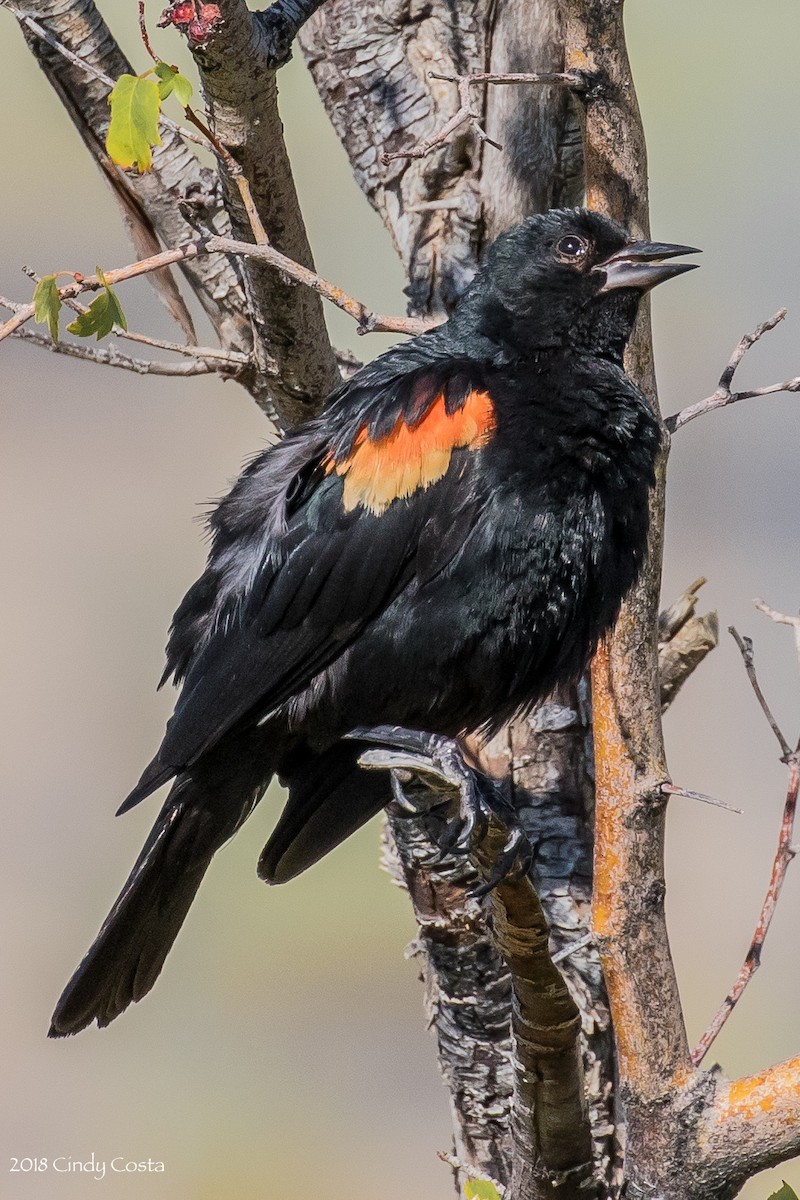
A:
(513, 862)
(440, 759)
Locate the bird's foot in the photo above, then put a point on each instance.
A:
(409, 753)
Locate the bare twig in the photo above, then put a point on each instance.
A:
(783, 856)
(109, 356)
(573, 948)
(228, 358)
(782, 619)
(746, 649)
(368, 321)
(467, 112)
(236, 173)
(672, 789)
(723, 396)
(144, 33)
(785, 851)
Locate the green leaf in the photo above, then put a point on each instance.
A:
(784, 1193)
(104, 313)
(47, 304)
(171, 80)
(135, 109)
(480, 1189)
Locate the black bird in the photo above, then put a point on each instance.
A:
(447, 542)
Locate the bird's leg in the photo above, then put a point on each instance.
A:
(409, 753)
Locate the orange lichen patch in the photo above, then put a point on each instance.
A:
(578, 61)
(614, 778)
(409, 458)
(767, 1092)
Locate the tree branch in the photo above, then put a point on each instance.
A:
(783, 857)
(784, 853)
(109, 356)
(551, 1141)
(368, 321)
(467, 996)
(550, 1128)
(280, 25)
(753, 1124)
(683, 642)
(630, 766)
(746, 650)
(723, 396)
(782, 619)
(296, 362)
(467, 111)
(81, 59)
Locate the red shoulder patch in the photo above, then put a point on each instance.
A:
(411, 457)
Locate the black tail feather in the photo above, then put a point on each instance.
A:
(204, 808)
(330, 797)
(153, 776)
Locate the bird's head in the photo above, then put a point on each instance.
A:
(565, 277)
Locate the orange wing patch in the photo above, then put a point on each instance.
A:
(407, 459)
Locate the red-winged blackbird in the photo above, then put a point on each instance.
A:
(447, 542)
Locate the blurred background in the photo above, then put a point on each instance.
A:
(284, 1050)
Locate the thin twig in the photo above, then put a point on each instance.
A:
(368, 321)
(723, 396)
(144, 33)
(231, 358)
(227, 358)
(236, 173)
(88, 69)
(783, 856)
(672, 789)
(466, 111)
(109, 356)
(782, 619)
(746, 649)
(572, 948)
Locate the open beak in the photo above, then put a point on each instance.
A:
(640, 265)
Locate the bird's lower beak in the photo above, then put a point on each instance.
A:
(640, 265)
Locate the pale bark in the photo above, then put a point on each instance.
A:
(296, 364)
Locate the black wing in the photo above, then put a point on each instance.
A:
(316, 539)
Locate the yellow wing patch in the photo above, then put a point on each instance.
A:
(392, 467)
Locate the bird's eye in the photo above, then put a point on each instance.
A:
(572, 247)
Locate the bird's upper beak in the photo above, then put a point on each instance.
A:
(639, 265)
